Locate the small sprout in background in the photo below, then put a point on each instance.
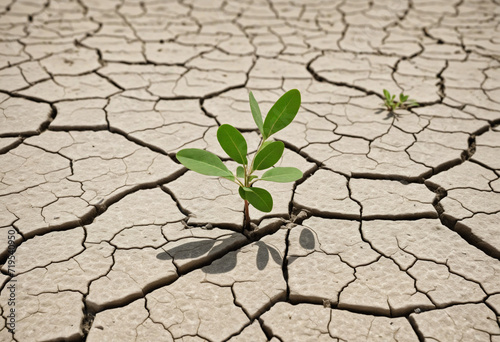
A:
(268, 154)
(404, 102)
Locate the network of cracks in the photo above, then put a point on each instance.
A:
(391, 235)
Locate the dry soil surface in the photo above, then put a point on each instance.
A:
(393, 233)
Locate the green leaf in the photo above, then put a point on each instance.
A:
(240, 172)
(282, 113)
(269, 155)
(260, 198)
(387, 95)
(233, 143)
(231, 178)
(265, 143)
(252, 177)
(282, 175)
(257, 116)
(203, 162)
(241, 191)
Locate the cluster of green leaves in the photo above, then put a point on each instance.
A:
(404, 102)
(268, 154)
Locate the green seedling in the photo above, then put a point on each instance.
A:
(268, 154)
(404, 102)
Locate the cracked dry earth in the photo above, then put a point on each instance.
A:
(391, 235)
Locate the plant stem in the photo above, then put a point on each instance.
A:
(258, 150)
(247, 217)
(248, 173)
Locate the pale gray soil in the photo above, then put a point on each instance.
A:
(393, 234)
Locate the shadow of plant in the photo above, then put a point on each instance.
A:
(189, 250)
(389, 114)
(210, 250)
(306, 239)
